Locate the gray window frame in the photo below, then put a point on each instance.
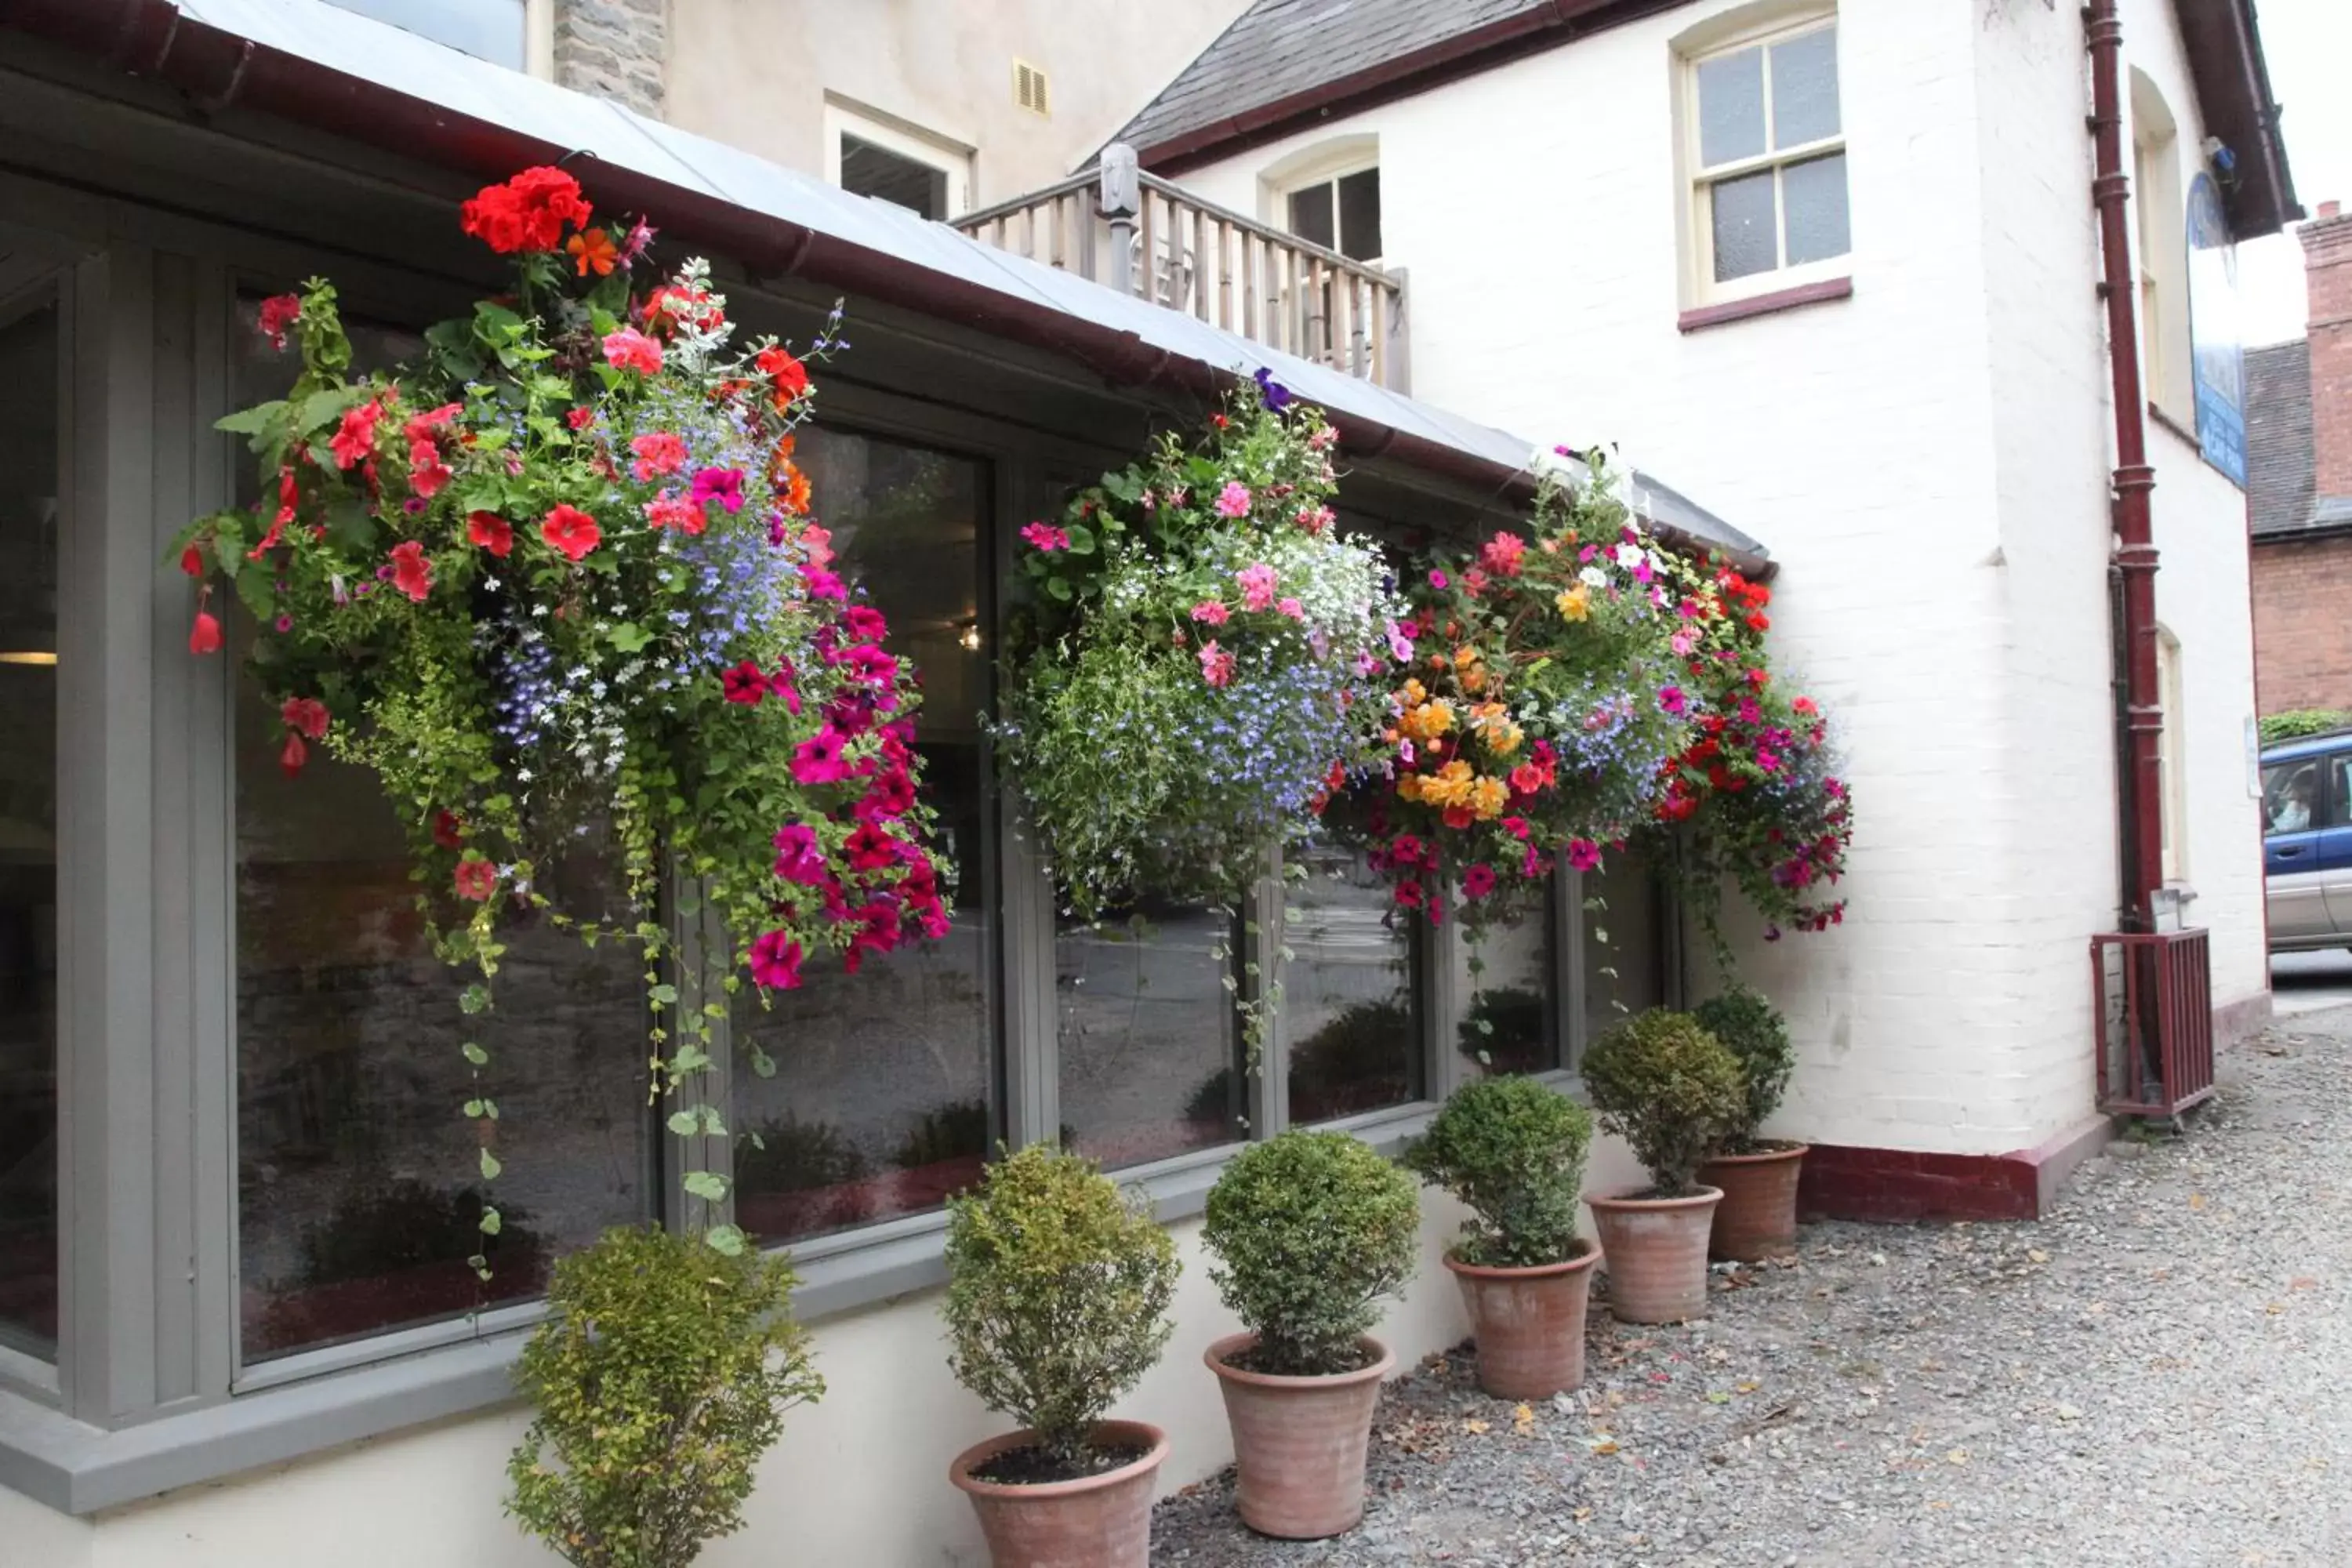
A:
(147, 1394)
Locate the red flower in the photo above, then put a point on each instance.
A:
(1527, 778)
(448, 830)
(658, 452)
(579, 418)
(745, 684)
(491, 531)
(527, 212)
(354, 439)
(1459, 817)
(426, 426)
(1478, 881)
(870, 847)
(412, 573)
(305, 716)
(571, 531)
(204, 636)
(192, 562)
(278, 312)
(295, 755)
(629, 349)
(777, 365)
(477, 879)
(670, 512)
(426, 472)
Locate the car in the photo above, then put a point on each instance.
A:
(2308, 842)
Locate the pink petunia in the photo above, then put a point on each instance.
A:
(866, 623)
(776, 961)
(819, 759)
(1583, 854)
(798, 856)
(1671, 700)
(1291, 607)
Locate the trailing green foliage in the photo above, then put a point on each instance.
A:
(1058, 1289)
(662, 1374)
(1311, 1229)
(1513, 1150)
(1756, 1034)
(1668, 1087)
(2297, 722)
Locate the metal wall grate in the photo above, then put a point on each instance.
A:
(2153, 992)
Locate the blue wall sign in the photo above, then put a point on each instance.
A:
(2217, 342)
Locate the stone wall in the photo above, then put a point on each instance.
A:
(616, 49)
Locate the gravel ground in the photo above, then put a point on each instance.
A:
(2146, 1376)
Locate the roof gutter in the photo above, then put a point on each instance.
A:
(1498, 42)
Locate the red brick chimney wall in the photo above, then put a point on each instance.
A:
(2327, 275)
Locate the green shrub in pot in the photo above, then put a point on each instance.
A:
(1512, 1149)
(1311, 1230)
(660, 1375)
(1756, 1034)
(1669, 1089)
(1058, 1290)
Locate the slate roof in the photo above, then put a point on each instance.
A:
(1279, 48)
(2278, 438)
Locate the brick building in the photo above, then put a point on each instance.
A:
(2299, 495)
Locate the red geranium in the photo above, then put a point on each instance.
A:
(571, 530)
(278, 312)
(477, 879)
(789, 374)
(305, 716)
(527, 212)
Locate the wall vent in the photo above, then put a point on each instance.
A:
(1029, 88)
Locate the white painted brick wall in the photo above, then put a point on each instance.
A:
(1927, 459)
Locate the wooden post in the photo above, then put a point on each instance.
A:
(1122, 194)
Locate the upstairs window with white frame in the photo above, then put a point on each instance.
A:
(1765, 145)
(1340, 213)
(500, 31)
(2162, 237)
(924, 175)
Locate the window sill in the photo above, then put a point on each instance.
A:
(77, 1468)
(1778, 299)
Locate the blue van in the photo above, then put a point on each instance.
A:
(2308, 842)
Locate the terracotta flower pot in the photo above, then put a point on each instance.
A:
(1656, 1249)
(1758, 1217)
(1299, 1442)
(1095, 1522)
(1529, 1323)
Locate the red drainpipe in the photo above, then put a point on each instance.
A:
(2139, 800)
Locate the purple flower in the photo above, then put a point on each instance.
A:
(1671, 700)
(1277, 397)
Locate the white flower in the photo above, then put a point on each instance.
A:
(1629, 556)
(1593, 577)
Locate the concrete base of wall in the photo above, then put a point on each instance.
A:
(2233, 1021)
(1903, 1185)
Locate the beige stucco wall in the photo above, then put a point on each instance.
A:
(758, 74)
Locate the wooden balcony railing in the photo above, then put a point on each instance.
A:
(1138, 234)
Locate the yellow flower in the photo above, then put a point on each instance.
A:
(1576, 604)
(1504, 738)
(1409, 787)
(1413, 694)
(1428, 720)
(1450, 785)
(1488, 798)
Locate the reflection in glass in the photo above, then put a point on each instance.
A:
(883, 1101)
(1511, 1023)
(29, 439)
(1351, 1007)
(1730, 107)
(357, 1198)
(356, 1212)
(1149, 1046)
(1624, 957)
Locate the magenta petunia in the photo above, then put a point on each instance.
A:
(820, 760)
(776, 961)
(1478, 881)
(799, 858)
(724, 486)
(1583, 854)
(745, 684)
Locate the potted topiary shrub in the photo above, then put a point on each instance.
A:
(1310, 1230)
(1513, 1150)
(1758, 1216)
(661, 1373)
(1669, 1089)
(1058, 1301)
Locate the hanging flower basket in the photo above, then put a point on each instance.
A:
(1538, 709)
(560, 575)
(1755, 797)
(1206, 659)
